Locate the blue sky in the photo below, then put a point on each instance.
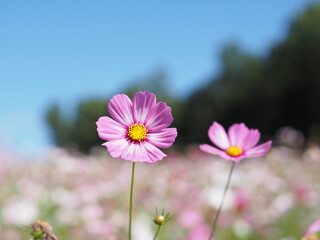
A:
(66, 50)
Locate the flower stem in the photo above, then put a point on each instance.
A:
(52, 236)
(158, 230)
(221, 203)
(131, 196)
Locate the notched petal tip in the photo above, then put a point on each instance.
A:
(164, 138)
(145, 92)
(120, 109)
(100, 120)
(159, 159)
(259, 150)
(142, 103)
(159, 117)
(267, 145)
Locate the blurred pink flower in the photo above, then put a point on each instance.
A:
(313, 232)
(199, 232)
(242, 200)
(101, 228)
(190, 217)
(239, 143)
(138, 128)
(302, 193)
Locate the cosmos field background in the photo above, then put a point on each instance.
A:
(58, 81)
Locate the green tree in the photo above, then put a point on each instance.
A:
(79, 131)
(293, 73)
(226, 97)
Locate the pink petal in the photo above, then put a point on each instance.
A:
(237, 132)
(159, 117)
(127, 151)
(135, 152)
(142, 102)
(259, 150)
(314, 228)
(154, 153)
(237, 159)
(163, 139)
(109, 129)
(218, 136)
(116, 147)
(120, 109)
(251, 139)
(212, 150)
(199, 231)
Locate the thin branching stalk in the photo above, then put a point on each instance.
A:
(158, 230)
(131, 197)
(213, 228)
(52, 236)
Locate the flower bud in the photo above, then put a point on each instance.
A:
(159, 219)
(41, 226)
(42, 230)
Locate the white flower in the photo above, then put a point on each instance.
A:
(20, 211)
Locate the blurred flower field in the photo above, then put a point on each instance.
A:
(86, 197)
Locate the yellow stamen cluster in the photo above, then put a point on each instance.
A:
(313, 236)
(137, 132)
(234, 151)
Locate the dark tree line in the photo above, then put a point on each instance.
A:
(266, 92)
(280, 89)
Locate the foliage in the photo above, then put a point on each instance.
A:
(78, 132)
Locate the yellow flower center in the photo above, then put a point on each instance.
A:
(234, 151)
(313, 236)
(137, 132)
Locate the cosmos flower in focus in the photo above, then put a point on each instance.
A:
(240, 142)
(138, 128)
(313, 232)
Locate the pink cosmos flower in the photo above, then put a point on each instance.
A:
(313, 232)
(242, 200)
(199, 232)
(138, 128)
(239, 143)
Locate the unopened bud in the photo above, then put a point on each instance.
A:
(42, 230)
(159, 219)
(41, 226)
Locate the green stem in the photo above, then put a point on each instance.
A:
(131, 196)
(158, 230)
(221, 203)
